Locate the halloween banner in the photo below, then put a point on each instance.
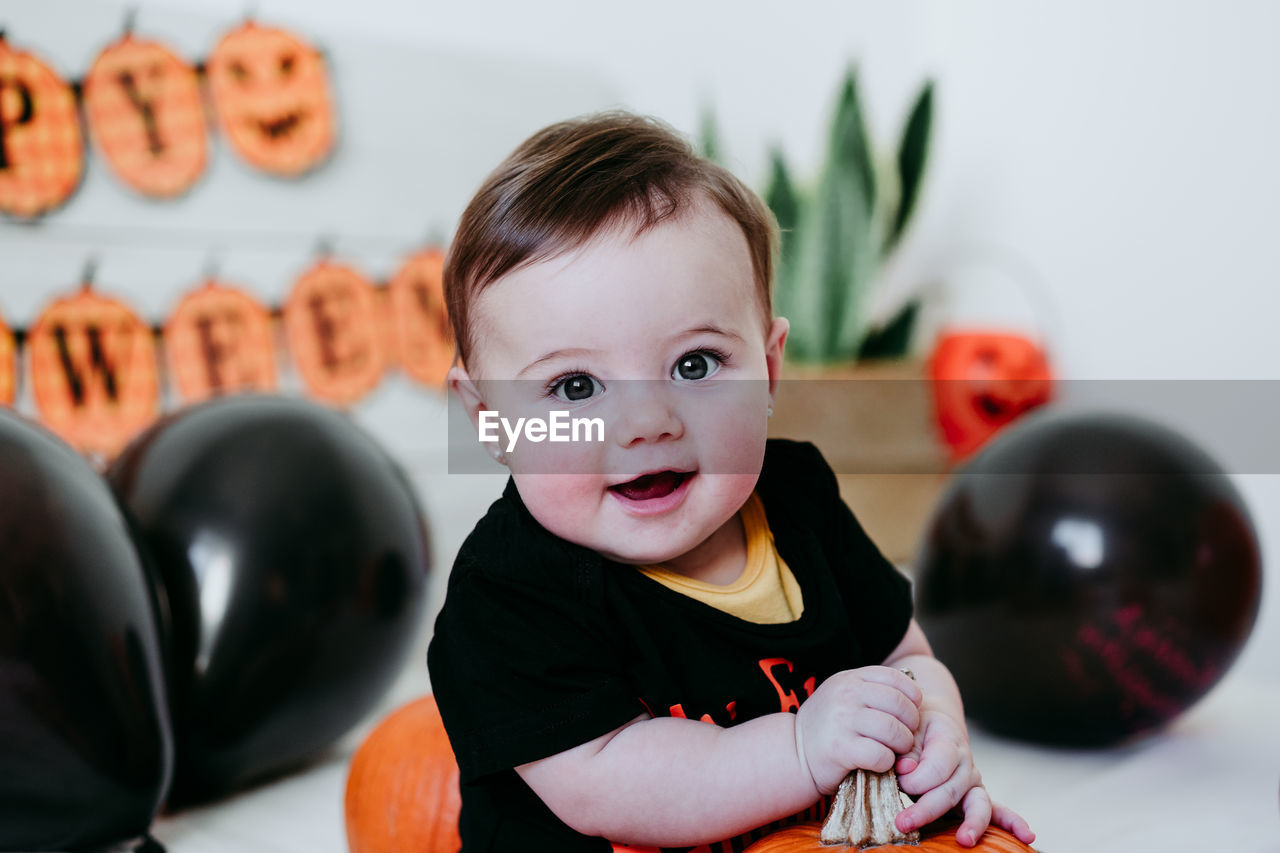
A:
(93, 371)
(219, 340)
(145, 110)
(95, 365)
(273, 99)
(331, 320)
(8, 366)
(146, 116)
(41, 152)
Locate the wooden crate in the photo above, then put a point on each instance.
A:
(875, 425)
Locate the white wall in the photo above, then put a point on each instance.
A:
(1122, 151)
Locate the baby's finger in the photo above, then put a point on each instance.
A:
(1006, 818)
(868, 754)
(932, 805)
(896, 679)
(910, 760)
(977, 816)
(893, 702)
(937, 763)
(884, 728)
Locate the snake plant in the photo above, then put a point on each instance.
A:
(836, 235)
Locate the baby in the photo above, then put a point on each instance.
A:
(678, 635)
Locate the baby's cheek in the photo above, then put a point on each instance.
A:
(564, 504)
(738, 451)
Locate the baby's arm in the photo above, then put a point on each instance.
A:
(668, 781)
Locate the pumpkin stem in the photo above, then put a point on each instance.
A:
(863, 811)
(865, 806)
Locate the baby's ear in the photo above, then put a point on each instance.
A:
(468, 394)
(774, 345)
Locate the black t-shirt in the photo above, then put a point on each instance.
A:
(543, 645)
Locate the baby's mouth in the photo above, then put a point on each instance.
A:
(649, 487)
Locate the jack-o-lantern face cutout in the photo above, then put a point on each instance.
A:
(272, 96)
(331, 320)
(423, 338)
(983, 381)
(93, 372)
(8, 366)
(41, 146)
(145, 113)
(219, 341)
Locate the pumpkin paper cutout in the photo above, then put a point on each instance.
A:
(145, 112)
(41, 147)
(8, 366)
(331, 321)
(402, 787)
(273, 99)
(983, 381)
(93, 372)
(423, 338)
(218, 341)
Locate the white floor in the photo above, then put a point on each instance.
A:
(1211, 780)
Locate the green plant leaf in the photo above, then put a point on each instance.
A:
(912, 155)
(849, 225)
(781, 197)
(709, 135)
(850, 140)
(834, 253)
(836, 235)
(893, 339)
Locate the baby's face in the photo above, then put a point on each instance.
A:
(660, 336)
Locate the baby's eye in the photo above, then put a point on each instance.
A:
(697, 365)
(576, 388)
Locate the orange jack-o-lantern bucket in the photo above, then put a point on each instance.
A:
(41, 144)
(983, 381)
(424, 340)
(146, 116)
(273, 98)
(8, 366)
(219, 341)
(332, 323)
(93, 371)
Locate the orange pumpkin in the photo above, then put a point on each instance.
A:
(8, 366)
(146, 115)
(423, 338)
(273, 99)
(218, 341)
(41, 147)
(402, 788)
(983, 381)
(93, 372)
(331, 320)
(936, 838)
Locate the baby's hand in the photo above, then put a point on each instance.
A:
(857, 718)
(941, 774)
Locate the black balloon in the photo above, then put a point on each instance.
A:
(85, 749)
(292, 557)
(1087, 578)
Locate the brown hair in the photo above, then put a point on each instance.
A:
(573, 179)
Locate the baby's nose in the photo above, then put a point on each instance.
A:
(646, 413)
